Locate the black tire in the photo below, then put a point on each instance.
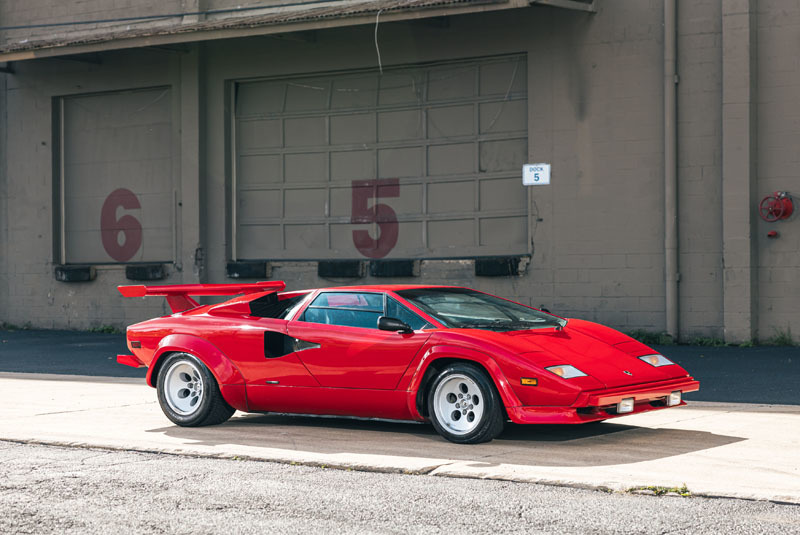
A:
(465, 389)
(189, 394)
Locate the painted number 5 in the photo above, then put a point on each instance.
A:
(383, 215)
(129, 226)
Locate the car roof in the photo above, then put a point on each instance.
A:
(385, 287)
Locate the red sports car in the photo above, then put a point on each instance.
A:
(463, 359)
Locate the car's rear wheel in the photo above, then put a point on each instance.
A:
(464, 406)
(188, 392)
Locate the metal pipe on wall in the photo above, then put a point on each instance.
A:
(672, 275)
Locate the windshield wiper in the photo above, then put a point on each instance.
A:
(506, 325)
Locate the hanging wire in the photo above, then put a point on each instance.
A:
(377, 48)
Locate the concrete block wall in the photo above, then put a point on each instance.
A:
(34, 12)
(778, 168)
(4, 298)
(700, 168)
(33, 296)
(595, 111)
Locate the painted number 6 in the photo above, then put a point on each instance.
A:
(110, 226)
(383, 215)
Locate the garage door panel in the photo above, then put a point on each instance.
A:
(451, 83)
(503, 231)
(120, 143)
(400, 162)
(399, 125)
(259, 240)
(306, 202)
(259, 169)
(307, 95)
(352, 165)
(455, 159)
(304, 237)
(305, 131)
(409, 202)
(502, 194)
(410, 238)
(448, 235)
(503, 77)
(445, 142)
(355, 92)
(341, 201)
(342, 238)
(258, 134)
(356, 128)
(306, 167)
(451, 121)
(260, 204)
(506, 155)
(154, 206)
(449, 197)
(150, 174)
(401, 88)
(510, 116)
(260, 98)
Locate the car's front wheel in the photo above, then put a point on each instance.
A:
(188, 392)
(464, 406)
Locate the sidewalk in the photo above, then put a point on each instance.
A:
(715, 449)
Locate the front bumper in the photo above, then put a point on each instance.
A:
(598, 405)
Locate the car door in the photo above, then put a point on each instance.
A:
(259, 344)
(346, 348)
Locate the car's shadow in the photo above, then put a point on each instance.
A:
(594, 444)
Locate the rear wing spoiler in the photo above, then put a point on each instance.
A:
(178, 294)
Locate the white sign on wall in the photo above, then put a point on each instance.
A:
(536, 174)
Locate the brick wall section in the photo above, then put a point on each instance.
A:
(778, 165)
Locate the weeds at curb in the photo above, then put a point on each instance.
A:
(662, 491)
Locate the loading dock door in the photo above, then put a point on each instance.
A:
(421, 161)
(117, 162)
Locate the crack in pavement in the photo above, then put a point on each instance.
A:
(95, 408)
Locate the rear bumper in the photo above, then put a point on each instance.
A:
(597, 405)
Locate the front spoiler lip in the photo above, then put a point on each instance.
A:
(597, 405)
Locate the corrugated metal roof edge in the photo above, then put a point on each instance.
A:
(389, 10)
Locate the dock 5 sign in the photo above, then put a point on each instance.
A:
(536, 174)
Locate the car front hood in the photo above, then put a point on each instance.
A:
(600, 352)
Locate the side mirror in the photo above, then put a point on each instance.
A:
(394, 324)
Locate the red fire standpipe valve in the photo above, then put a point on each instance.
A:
(776, 207)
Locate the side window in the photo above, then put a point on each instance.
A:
(398, 311)
(347, 309)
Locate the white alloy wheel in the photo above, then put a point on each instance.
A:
(183, 387)
(459, 403)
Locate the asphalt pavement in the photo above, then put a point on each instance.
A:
(46, 489)
(729, 374)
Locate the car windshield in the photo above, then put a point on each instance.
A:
(468, 309)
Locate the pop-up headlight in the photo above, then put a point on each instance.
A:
(566, 371)
(656, 360)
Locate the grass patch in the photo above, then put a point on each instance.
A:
(651, 338)
(661, 491)
(706, 342)
(781, 337)
(107, 329)
(12, 327)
